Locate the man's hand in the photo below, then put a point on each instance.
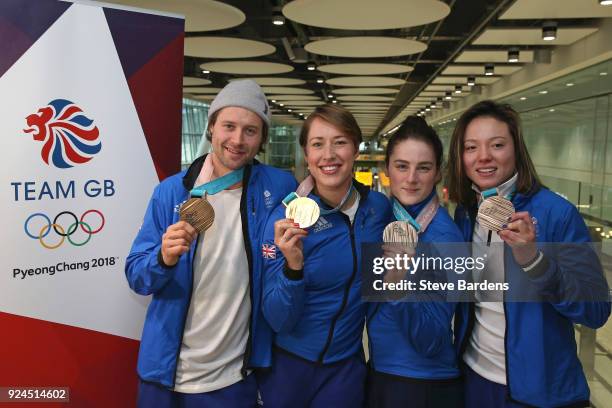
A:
(176, 241)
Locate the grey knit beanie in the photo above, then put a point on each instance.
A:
(244, 93)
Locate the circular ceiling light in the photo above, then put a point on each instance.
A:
(365, 14)
(365, 47)
(247, 67)
(226, 47)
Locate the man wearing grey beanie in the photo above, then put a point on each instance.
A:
(204, 332)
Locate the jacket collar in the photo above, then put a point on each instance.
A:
(362, 189)
(194, 169)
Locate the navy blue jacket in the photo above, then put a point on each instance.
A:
(320, 316)
(414, 338)
(542, 368)
(171, 287)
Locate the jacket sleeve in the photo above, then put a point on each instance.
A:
(570, 274)
(283, 289)
(144, 272)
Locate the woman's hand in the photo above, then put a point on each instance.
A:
(392, 250)
(288, 238)
(520, 234)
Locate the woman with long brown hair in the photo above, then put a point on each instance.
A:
(519, 349)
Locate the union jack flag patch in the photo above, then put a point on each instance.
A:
(268, 251)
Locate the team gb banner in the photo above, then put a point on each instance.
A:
(90, 122)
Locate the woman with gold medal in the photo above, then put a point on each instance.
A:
(312, 277)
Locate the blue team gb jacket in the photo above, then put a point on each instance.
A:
(542, 368)
(171, 287)
(414, 338)
(319, 316)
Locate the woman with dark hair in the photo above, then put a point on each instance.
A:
(412, 358)
(312, 278)
(520, 353)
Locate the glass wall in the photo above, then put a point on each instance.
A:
(282, 150)
(567, 125)
(195, 120)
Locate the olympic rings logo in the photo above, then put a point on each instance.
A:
(59, 229)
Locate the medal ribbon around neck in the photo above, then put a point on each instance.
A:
(197, 211)
(218, 184)
(495, 192)
(306, 188)
(305, 211)
(423, 218)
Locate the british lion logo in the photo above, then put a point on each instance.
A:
(70, 138)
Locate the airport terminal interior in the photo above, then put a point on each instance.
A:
(387, 59)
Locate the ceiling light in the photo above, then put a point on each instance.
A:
(281, 104)
(543, 92)
(551, 110)
(335, 101)
(513, 55)
(278, 19)
(205, 71)
(471, 81)
(427, 109)
(273, 100)
(433, 105)
(603, 73)
(330, 95)
(319, 80)
(569, 84)
(457, 89)
(448, 95)
(605, 2)
(598, 229)
(311, 67)
(489, 69)
(522, 98)
(549, 31)
(288, 110)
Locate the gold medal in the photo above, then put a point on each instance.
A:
(494, 212)
(303, 211)
(401, 232)
(198, 212)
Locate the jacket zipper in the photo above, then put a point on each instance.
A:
(370, 347)
(249, 254)
(347, 288)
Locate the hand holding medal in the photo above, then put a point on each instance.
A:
(176, 241)
(519, 231)
(288, 238)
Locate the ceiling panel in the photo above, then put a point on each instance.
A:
(555, 9)
(365, 14)
(531, 36)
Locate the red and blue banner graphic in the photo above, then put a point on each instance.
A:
(91, 122)
(70, 138)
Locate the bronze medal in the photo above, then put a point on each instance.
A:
(401, 232)
(494, 212)
(304, 211)
(199, 213)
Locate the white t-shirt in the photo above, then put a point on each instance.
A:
(217, 325)
(352, 210)
(486, 353)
